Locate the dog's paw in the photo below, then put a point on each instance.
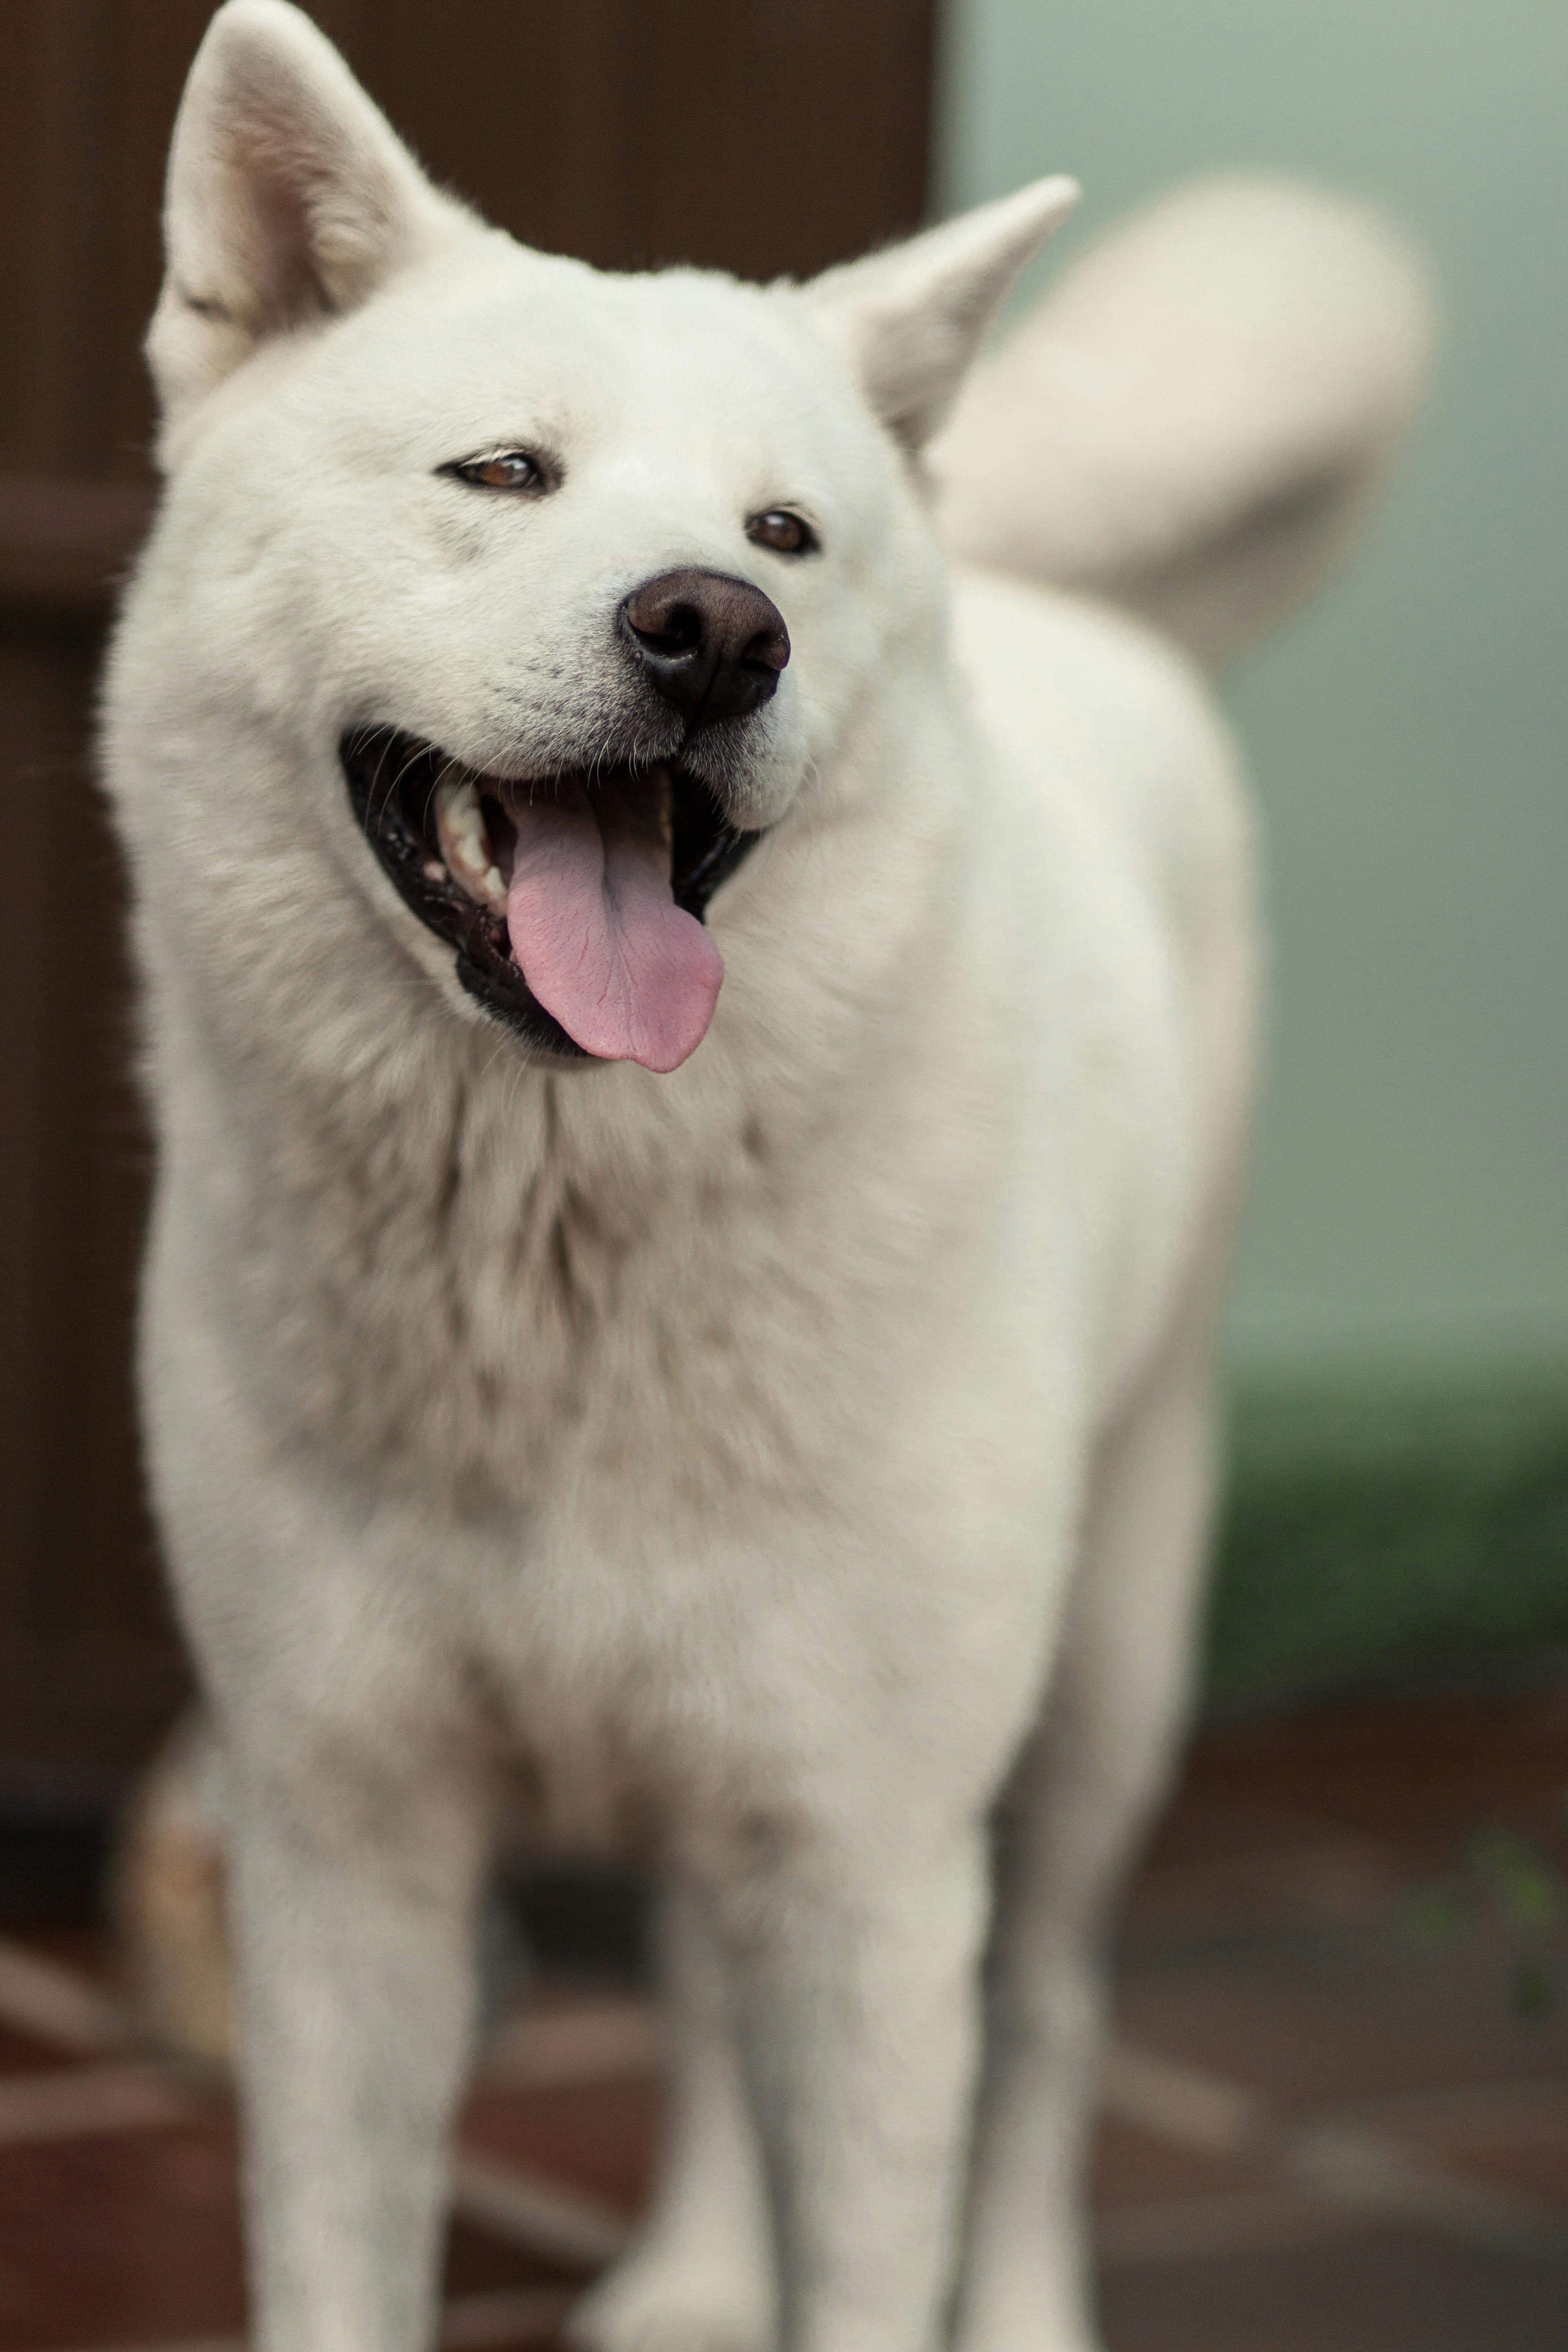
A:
(662, 2299)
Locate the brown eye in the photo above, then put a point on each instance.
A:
(785, 534)
(508, 470)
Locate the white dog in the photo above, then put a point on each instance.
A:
(701, 1072)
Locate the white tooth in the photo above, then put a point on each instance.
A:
(465, 844)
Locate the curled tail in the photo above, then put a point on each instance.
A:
(1190, 423)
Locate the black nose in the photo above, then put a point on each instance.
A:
(711, 645)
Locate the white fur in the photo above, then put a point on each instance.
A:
(773, 1468)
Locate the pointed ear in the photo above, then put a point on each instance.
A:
(288, 198)
(912, 318)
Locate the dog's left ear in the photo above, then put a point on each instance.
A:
(912, 318)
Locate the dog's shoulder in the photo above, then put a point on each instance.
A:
(1106, 732)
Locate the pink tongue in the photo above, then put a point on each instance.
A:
(596, 934)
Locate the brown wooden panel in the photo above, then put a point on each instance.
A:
(65, 541)
(763, 136)
(766, 136)
(80, 1607)
(20, 54)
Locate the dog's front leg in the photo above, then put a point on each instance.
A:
(353, 1906)
(855, 1958)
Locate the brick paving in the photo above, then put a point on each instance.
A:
(1320, 2133)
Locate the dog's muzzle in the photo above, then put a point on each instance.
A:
(450, 838)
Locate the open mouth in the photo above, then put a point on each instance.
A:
(575, 905)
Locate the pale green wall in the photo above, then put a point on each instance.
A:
(1408, 735)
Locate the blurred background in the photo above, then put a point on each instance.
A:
(1390, 1625)
(1400, 1335)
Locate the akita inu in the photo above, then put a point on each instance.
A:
(701, 1068)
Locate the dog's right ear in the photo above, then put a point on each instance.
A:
(290, 198)
(911, 318)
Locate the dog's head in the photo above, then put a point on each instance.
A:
(572, 580)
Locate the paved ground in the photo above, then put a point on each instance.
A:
(1323, 2130)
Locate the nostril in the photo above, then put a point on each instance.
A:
(675, 630)
(769, 650)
